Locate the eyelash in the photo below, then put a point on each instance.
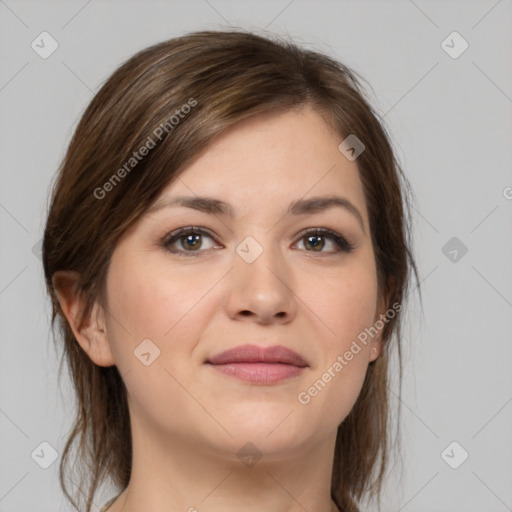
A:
(174, 236)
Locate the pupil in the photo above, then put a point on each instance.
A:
(190, 241)
(316, 245)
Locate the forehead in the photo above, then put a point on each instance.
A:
(270, 160)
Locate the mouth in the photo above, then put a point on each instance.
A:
(259, 365)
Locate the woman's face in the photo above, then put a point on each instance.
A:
(251, 277)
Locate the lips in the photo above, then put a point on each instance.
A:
(259, 365)
(256, 354)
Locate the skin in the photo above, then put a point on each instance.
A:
(189, 420)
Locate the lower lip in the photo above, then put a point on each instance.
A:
(259, 373)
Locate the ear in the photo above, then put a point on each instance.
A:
(376, 343)
(376, 347)
(91, 334)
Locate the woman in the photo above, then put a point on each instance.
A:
(227, 255)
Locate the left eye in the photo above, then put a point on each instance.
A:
(190, 240)
(316, 239)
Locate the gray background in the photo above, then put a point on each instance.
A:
(451, 123)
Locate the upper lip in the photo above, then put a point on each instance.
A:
(257, 354)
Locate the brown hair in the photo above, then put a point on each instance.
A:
(230, 75)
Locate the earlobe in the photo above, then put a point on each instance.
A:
(91, 331)
(375, 352)
(376, 349)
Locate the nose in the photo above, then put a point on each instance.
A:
(261, 291)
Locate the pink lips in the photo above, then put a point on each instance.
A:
(259, 365)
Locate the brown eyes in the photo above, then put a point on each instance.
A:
(190, 241)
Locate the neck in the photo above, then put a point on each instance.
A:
(179, 474)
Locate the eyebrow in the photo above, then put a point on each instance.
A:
(300, 207)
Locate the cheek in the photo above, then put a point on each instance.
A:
(346, 306)
(345, 303)
(147, 301)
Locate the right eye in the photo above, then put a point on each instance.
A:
(189, 240)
